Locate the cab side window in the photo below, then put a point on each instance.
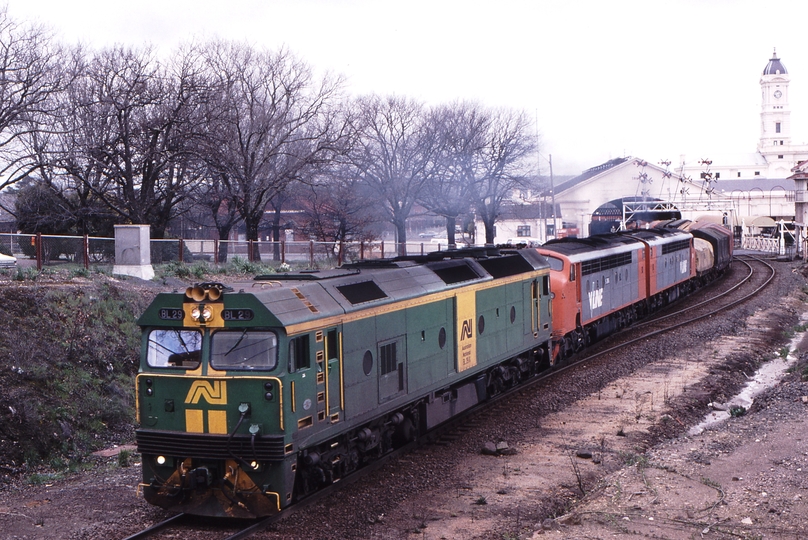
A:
(299, 357)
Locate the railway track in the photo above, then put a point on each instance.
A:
(184, 522)
(757, 276)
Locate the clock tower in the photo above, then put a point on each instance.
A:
(775, 114)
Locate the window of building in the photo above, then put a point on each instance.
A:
(782, 143)
(757, 173)
(777, 127)
(739, 175)
(780, 156)
(523, 230)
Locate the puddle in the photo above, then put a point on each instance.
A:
(767, 376)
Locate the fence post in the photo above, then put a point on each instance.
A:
(382, 249)
(86, 252)
(362, 250)
(249, 250)
(181, 250)
(311, 253)
(39, 251)
(422, 249)
(339, 255)
(216, 251)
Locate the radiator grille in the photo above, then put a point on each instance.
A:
(202, 445)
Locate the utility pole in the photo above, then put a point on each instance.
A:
(552, 199)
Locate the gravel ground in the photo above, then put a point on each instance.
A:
(605, 454)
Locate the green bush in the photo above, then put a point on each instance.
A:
(69, 391)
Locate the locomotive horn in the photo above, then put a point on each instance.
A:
(214, 293)
(195, 293)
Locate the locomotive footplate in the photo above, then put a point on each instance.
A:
(205, 490)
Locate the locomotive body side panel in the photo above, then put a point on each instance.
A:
(431, 344)
(565, 293)
(359, 348)
(669, 257)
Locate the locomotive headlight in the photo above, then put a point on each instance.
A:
(202, 313)
(255, 465)
(161, 460)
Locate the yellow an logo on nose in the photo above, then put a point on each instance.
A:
(215, 392)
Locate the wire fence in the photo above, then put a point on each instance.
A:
(42, 250)
(99, 253)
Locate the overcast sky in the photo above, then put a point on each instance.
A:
(647, 78)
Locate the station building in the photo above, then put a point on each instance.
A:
(750, 192)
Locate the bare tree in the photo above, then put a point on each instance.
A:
(338, 208)
(53, 143)
(394, 155)
(271, 124)
(462, 130)
(29, 74)
(130, 133)
(214, 197)
(503, 164)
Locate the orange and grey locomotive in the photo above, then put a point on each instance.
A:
(604, 283)
(253, 395)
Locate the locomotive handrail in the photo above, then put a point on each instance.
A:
(268, 284)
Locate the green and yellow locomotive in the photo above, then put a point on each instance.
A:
(253, 395)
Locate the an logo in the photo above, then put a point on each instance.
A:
(595, 298)
(683, 267)
(466, 332)
(215, 392)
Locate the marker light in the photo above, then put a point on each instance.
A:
(161, 460)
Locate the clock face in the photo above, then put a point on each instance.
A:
(778, 94)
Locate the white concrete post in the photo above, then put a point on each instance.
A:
(133, 251)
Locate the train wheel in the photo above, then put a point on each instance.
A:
(405, 433)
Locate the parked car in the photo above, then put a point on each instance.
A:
(7, 261)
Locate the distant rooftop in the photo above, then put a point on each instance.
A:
(589, 173)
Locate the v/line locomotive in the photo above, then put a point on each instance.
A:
(254, 395)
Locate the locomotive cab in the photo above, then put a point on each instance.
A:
(210, 406)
